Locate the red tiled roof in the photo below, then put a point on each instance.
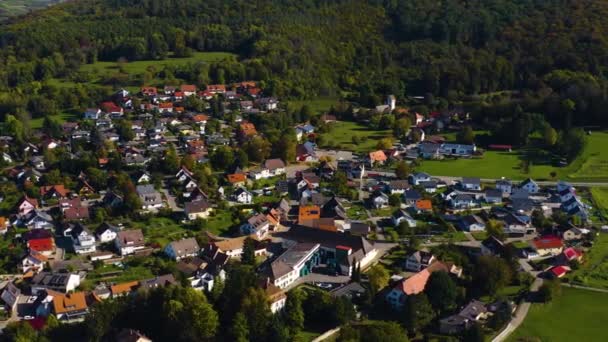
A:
(548, 242)
(236, 178)
(41, 245)
(571, 253)
(248, 129)
(59, 189)
(560, 271)
(188, 87)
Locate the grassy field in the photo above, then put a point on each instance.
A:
(318, 105)
(63, 117)
(591, 165)
(594, 270)
(96, 72)
(578, 315)
(341, 134)
(115, 274)
(9, 8)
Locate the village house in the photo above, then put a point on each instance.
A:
(419, 177)
(504, 185)
(10, 296)
(257, 225)
(184, 248)
(419, 260)
(129, 241)
(473, 223)
(150, 198)
(82, 240)
(472, 313)
(493, 196)
(473, 184)
(547, 245)
(106, 232)
(33, 262)
(379, 200)
(270, 168)
(71, 307)
(197, 209)
(402, 216)
(530, 186)
(377, 158)
(44, 246)
(60, 282)
(413, 285)
(241, 195)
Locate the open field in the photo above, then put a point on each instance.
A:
(594, 270)
(578, 315)
(63, 117)
(342, 132)
(591, 165)
(317, 105)
(98, 71)
(9, 8)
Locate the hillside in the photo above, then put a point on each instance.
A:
(361, 50)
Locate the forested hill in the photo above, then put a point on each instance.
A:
(307, 48)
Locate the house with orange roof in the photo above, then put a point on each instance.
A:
(188, 89)
(413, 285)
(423, 205)
(308, 212)
(216, 88)
(69, 307)
(53, 191)
(149, 91)
(247, 130)
(165, 107)
(237, 179)
(123, 289)
(3, 225)
(377, 157)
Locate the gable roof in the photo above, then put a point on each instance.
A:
(121, 288)
(377, 156)
(41, 245)
(63, 303)
(185, 247)
(548, 242)
(236, 178)
(273, 164)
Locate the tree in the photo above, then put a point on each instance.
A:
(466, 135)
(402, 170)
(222, 158)
(491, 274)
(239, 331)
(343, 311)
(495, 229)
(248, 256)
(474, 334)
(188, 311)
(294, 314)
(373, 331)
(418, 312)
(257, 148)
(549, 135)
(394, 200)
(404, 229)
(256, 310)
(378, 278)
(385, 144)
(401, 127)
(171, 161)
(441, 291)
(549, 290)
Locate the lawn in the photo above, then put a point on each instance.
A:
(115, 274)
(591, 165)
(162, 230)
(356, 212)
(220, 223)
(594, 270)
(480, 236)
(578, 315)
(342, 132)
(600, 197)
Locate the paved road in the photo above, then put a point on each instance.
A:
(585, 288)
(450, 180)
(327, 334)
(520, 314)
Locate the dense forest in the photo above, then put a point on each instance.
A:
(550, 55)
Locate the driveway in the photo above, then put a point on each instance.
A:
(171, 200)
